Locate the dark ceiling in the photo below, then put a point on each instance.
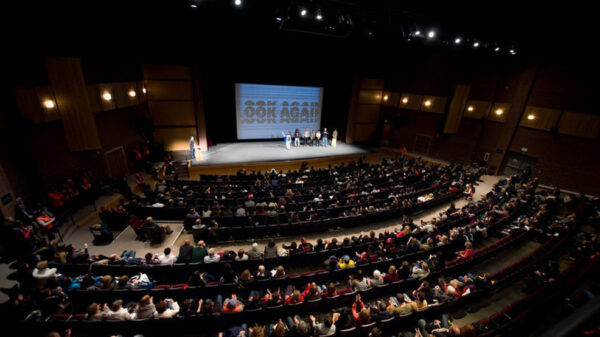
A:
(134, 31)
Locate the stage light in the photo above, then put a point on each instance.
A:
(405, 100)
(132, 93)
(499, 112)
(431, 34)
(457, 40)
(107, 96)
(470, 108)
(194, 6)
(476, 44)
(531, 117)
(385, 98)
(319, 15)
(238, 2)
(418, 32)
(303, 12)
(144, 90)
(497, 49)
(428, 103)
(49, 104)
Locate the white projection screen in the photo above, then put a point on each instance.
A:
(265, 111)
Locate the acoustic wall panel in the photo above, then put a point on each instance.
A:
(579, 124)
(172, 113)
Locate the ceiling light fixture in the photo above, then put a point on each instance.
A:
(49, 104)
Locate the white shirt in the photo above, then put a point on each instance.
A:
(167, 259)
(212, 259)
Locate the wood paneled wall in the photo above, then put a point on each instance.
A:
(365, 110)
(173, 101)
(72, 101)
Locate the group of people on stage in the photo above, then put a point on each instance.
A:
(311, 138)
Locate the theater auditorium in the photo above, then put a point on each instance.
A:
(287, 168)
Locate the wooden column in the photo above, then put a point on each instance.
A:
(457, 107)
(199, 105)
(72, 102)
(514, 115)
(352, 110)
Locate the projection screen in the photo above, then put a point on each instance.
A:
(265, 111)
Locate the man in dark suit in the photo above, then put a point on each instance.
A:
(185, 252)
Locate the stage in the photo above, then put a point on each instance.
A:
(228, 158)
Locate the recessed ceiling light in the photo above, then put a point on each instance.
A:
(238, 2)
(303, 12)
(470, 108)
(49, 104)
(457, 40)
(431, 34)
(531, 117)
(131, 93)
(499, 112)
(427, 102)
(476, 44)
(107, 96)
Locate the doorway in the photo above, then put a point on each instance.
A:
(116, 163)
(515, 162)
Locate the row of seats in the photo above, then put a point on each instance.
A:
(270, 314)
(170, 213)
(290, 261)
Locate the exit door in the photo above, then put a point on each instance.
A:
(515, 162)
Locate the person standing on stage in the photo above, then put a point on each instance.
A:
(334, 138)
(297, 138)
(318, 137)
(325, 134)
(288, 140)
(306, 136)
(192, 148)
(312, 137)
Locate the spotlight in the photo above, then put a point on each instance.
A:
(405, 100)
(385, 97)
(428, 103)
(431, 34)
(457, 40)
(49, 104)
(303, 12)
(107, 96)
(497, 49)
(131, 93)
(476, 44)
(499, 112)
(470, 108)
(418, 32)
(238, 2)
(531, 117)
(319, 15)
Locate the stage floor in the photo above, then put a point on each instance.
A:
(268, 151)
